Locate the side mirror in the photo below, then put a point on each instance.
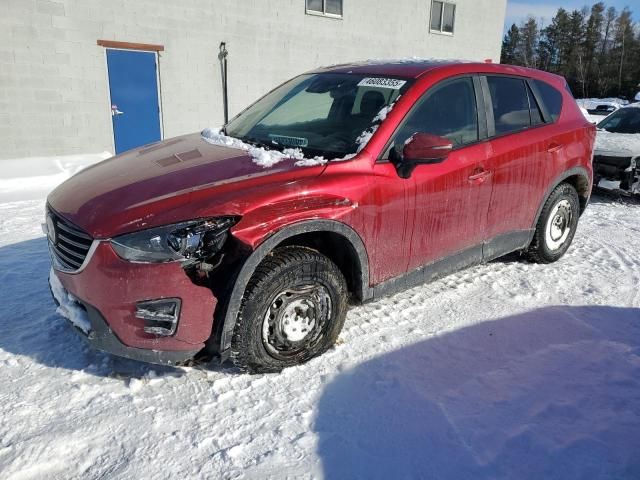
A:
(423, 148)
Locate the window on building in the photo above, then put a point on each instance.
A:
(443, 16)
(330, 8)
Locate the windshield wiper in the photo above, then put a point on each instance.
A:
(256, 142)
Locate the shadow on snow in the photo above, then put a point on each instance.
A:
(553, 393)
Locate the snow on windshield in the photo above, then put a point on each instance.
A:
(261, 156)
(267, 158)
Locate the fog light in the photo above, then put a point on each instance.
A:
(160, 316)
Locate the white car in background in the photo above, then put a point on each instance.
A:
(616, 161)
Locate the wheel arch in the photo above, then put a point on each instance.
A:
(322, 235)
(578, 177)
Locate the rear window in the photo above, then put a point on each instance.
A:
(551, 98)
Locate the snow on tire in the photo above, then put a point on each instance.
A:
(556, 226)
(292, 311)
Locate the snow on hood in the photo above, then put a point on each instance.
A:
(622, 143)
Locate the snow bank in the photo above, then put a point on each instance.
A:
(39, 167)
(591, 103)
(36, 176)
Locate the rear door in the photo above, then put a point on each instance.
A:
(135, 108)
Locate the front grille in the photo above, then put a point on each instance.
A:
(69, 244)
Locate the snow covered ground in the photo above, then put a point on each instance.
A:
(505, 371)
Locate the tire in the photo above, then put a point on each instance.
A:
(556, 226)
(293, 310)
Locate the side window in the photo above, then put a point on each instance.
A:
(510, 102)
(447, 110)
(551, 98)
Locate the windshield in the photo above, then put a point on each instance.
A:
(625, 120)
(321, 114)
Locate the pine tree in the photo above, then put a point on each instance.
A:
(510, 45)
(596, 49)
(528, 45)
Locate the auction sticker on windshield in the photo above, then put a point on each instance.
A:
(393, 83)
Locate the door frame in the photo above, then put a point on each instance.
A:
(135, 47)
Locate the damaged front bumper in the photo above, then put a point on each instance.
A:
(92, 326)
(107, 298)
(620, 173)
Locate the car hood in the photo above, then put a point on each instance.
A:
(617, 144)
(153, 185)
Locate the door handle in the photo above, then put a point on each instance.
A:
(554, 147)
(479, 175)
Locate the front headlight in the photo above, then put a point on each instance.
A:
(174, 243)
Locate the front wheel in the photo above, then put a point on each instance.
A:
(556, 226)
(292, 311)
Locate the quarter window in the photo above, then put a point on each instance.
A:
(330, 8)
(443, 16)
(448, 110)
(551, 98)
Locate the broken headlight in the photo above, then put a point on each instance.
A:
(197, 239)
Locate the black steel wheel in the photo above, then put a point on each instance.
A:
(293, 310)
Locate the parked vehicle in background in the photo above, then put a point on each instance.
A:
(616, 161)
(341, 185)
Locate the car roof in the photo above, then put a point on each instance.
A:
(417, 67)
(408, 68)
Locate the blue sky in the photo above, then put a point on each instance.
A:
(518, 10)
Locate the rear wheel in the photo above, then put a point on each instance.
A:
(293, 310)
(556, 226)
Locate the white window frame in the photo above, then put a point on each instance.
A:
(324, 10)
(440, 31)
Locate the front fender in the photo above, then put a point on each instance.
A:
(260, 223)
(264, 248)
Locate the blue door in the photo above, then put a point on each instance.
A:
(135, 111)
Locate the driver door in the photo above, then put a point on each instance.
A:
(448, 201)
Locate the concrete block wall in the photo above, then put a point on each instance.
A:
(53, 79)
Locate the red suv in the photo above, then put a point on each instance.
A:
(342, 185)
